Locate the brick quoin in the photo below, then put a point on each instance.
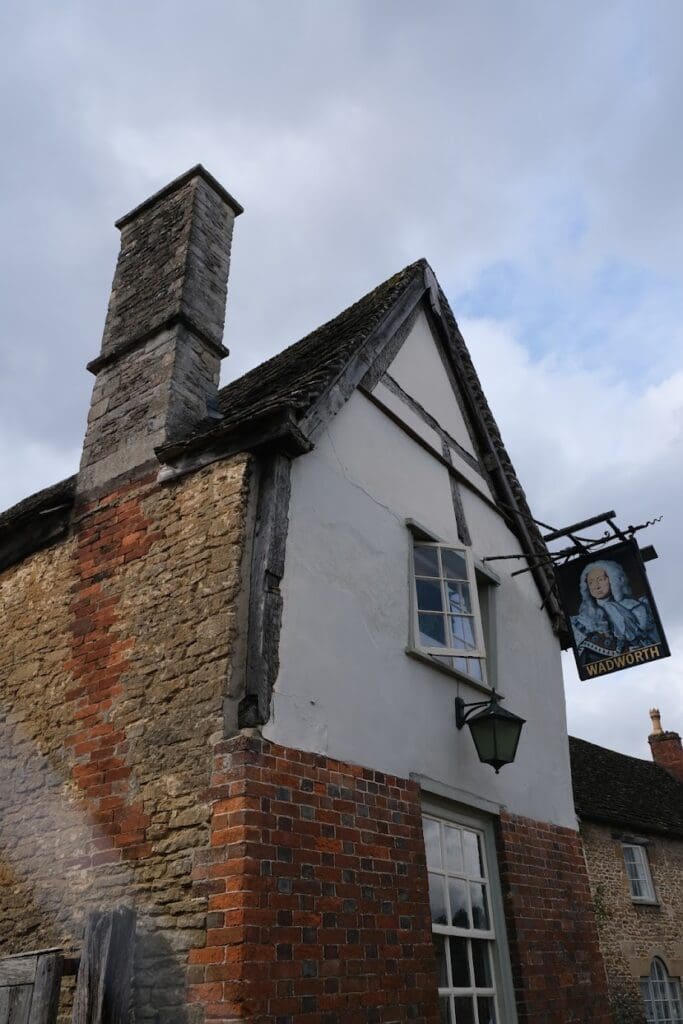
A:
(317, 889)
(110, 533)
(557, 967)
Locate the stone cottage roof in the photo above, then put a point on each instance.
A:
(616, 789)
(290, 381)
(270, 401)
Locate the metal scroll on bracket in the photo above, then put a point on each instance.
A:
(580, 545)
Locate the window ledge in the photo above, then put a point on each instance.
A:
(454, 673)
(644, 902)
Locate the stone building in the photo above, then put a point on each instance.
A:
(631, 814)
(232, 643)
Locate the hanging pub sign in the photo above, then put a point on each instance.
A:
(612, 616)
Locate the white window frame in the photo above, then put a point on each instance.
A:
(502, 990)
(641, 877)
(420, 538)
(661, 994)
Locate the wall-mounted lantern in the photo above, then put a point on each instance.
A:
(495, 730)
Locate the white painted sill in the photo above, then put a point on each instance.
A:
(454, 673)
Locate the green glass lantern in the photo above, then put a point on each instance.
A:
(495, 730)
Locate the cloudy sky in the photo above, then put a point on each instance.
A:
(532, 151)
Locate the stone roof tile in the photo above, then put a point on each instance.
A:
(617, 789)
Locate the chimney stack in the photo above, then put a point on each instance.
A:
(158, 370)
(665, 746)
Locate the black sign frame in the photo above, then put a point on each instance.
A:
(612, 617)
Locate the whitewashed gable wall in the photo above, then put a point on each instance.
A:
(346, 686)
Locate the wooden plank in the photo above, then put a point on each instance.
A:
(19, 1004)
(18, 970)
(265, 599)
(104, 976)
(45, 1001)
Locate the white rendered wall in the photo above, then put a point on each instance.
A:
(346, 687)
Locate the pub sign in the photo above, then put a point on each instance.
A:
(612, 616)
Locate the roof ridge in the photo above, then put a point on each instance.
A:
(394, 279)
(609, 750)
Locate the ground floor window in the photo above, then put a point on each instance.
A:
(662, 996)
(462, 922)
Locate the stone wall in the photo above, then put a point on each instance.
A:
(631, 934)
(117, 654)
(557, 967)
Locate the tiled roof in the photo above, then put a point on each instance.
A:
(293, 379)
(617, 789)
(43, 501)
(296, 377)
(284, 389)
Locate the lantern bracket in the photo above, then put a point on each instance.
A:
(464, 711)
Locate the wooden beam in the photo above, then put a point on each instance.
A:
(104, 976)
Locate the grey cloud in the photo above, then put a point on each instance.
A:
(358, 136)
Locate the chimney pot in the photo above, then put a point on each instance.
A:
(666, 747)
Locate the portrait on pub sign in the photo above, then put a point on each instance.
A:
(610, 611)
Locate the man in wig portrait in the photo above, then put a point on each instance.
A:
(610, 619)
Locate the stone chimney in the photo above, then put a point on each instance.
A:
(665, 746)
(157, 373)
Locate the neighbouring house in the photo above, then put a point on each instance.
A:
(232, 646)
(631, 814)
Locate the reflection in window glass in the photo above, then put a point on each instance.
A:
(460, 969)
(661, 996)
(446, 608)
(463, 933)
(426, 560)
(464, 1010)
(432, 843)
(638, 873)
(453, 845)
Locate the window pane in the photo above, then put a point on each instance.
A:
(432, 630)
(429, 595)
(637, 889)
(460, 967)
(454, 564)
(474, 668)
(481, 963)
(453, 849)
(480, 914)
(426, 560)
(629, 856)
(457, 891)
(437, 899)
(445, 1010)
(473, 862)
(464, 1010)
(487, 1012)
(432, 842)
(462, 628)
(458, 595)
(441, 969)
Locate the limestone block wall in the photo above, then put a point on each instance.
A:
(631, 934)
(119, 647)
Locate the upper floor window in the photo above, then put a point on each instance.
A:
(638, 873)
(661, 996)
(447, 620)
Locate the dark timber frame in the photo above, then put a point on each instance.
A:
(367, 367)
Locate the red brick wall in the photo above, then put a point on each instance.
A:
(317, 887)
(557, 966)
